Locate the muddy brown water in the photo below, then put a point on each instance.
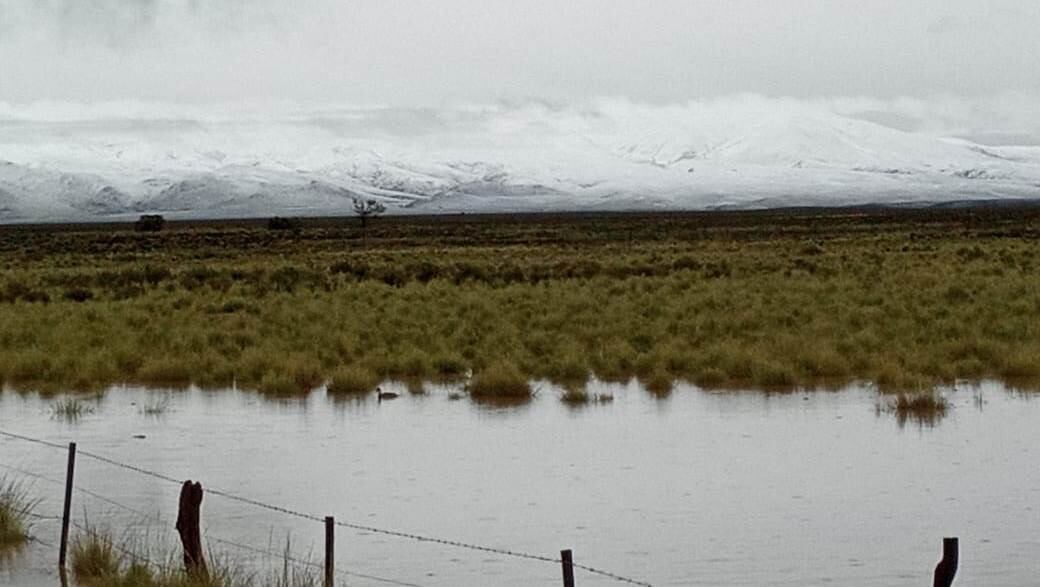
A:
(696, 489)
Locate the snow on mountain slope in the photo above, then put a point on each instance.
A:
(607, 156)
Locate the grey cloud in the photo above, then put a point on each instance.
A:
(945, 24)
(430, 52)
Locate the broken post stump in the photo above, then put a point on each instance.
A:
(188, 515)
(946, 570)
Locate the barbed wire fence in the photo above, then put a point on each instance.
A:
(287, 557)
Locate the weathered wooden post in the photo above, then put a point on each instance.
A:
(567, 558)
(188, 514)
(70, 470)
(330, 551)
(946, 570)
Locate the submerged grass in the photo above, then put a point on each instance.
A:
(70, 409)
(580, 396)
(156, 406)
(905, 300)
(925, 408)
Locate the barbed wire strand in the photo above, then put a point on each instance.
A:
(40, 516)
(220, 540)
(360, 527)
(29, 473)
(302, 562)
(42, 542)
(489, 549)
(79, 489)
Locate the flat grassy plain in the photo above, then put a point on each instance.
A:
(906, 299)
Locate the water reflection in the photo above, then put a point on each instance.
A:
(925, 409)
(699, 488)
(12, 555)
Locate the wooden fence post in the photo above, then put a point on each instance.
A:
(330, 551)
(567, 558)
(188, 514)
(67, 512)
(946, 570)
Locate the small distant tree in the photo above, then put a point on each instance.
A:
(366, 209)
(150, 223)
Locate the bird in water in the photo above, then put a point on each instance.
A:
(382, 395)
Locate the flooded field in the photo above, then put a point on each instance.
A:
(696, 488)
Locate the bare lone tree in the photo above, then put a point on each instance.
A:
(366, 209)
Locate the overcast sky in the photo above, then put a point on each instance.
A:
(433, 52)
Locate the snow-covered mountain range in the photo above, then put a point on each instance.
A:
(81, 163)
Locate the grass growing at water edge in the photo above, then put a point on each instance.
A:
(770, 301)
(98, 561)
(16, 509)
(500, 381)
(354, 380)
(579, 396)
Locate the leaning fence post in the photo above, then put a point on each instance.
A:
(567, 558)
(946, 570)
(188, 514)
(330, 551)
(67, 512)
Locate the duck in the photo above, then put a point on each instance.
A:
(382, 395)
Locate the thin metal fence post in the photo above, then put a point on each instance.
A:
(567, 559)
(330, 551)
(67, 512)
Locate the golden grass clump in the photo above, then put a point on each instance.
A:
(501, 379)
(658, 382)
(352, 380)
(16, 508)
(97, 561)
(165, 371)
(279, 384)
(580, 396)
(902, 299)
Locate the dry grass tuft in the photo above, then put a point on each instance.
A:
(97, 561)
(353, 380)
(904, 299)
(500, 380)
(16, 508)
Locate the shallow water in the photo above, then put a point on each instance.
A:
(695, 489)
